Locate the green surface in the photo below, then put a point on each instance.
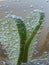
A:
(33, 24)
(10, 38)
(22, 34)
(18, 36)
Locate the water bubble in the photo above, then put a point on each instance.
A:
(6, 12)
(41, 27)
(38, 63)
(3, 5)
(31, 6)
(45, 52)
(39, 31)
(32, 27)
(3, 62)
(6, 53)
(11, 12)
(48, 29)
(24, 64)
(42, 7)
(18, 0)
(27, 23)
(47, 0)
(36, 42)
(14, 29)
(24, 11)
(7, 6)
(28, 17)
(0, 5)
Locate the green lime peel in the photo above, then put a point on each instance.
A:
(24, 42)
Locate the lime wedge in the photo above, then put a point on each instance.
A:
(9, 37)
(32, 23)
(22, 34)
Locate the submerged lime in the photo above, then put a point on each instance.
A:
(10, 38)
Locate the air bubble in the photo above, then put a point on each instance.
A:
(7, 6)
(47, 0)
(3, 5)
(45, 52)
(32, 27)
(48, 29)
(35, 42)
(24, 11)
(18, 0)
(6, 12)
(35, 51)
(3, 62)
(42, 7)
(39, 31)
(11, 12)
(31, 6)
(28, 17)
(27, 23)
(38, 63)
(0, 5)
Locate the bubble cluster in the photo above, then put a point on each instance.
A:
(9, 38)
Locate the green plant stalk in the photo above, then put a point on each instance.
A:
(22, 34)
(25, 55)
